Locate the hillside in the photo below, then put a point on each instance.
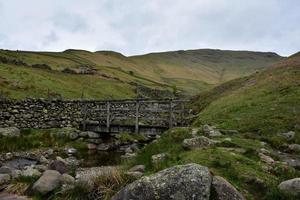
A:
(107, 74)
(266, 102)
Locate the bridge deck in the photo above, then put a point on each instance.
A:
(147, 116)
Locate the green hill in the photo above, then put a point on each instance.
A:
(107, 74)
(266, 102)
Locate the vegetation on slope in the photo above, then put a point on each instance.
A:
(114, 75)
(267, 102)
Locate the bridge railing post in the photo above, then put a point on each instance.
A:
(108, 116)
(137, 108)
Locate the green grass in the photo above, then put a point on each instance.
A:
(191, 72)
(33, 139)
(131, 137)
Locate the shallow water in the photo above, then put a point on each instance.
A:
(20, 163)
(98, 158)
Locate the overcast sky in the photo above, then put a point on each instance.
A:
(141, 26)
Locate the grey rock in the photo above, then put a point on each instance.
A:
(197, 143)
(137, 168)
(211, 131)
(41, 168)
(266, 159)
(223, 190)
(6, 170)
(93, 135)
(291, 186)
(158, 158)
(128, 156)
(72, 161)
(71, 150)
(91, 146)
(49, 181)
(94, 141)
(83, 134)
(10, 132)
(134, 174)
(43, 160)
(4, 179)
(103, 147)
(292, 162)
(30, 171)
(73, 135)
(182, 182)
(59, 166)
(67, 179)
(288, 135)
(229, 132)
(294, 147)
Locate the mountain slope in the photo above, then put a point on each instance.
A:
(189, 71)
(266, 102)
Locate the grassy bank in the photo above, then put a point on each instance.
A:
(36, 138)
(236, 160)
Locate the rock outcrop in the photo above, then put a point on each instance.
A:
(291, 186)
(49, 181)
(189, 182)
(223, 190)
(197, 143)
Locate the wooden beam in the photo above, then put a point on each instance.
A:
(108, 116)
(137, 107)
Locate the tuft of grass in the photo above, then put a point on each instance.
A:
(105, 186)
(131, 137)
(170, 143)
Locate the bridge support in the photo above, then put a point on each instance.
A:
(108, 116)
(137, 108)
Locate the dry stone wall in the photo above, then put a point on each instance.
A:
(40, 113)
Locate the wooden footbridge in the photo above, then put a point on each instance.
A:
(147, 116)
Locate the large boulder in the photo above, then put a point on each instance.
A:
(10, 132)
(223, 190)
(48, 182)
(189, 182)
(197, 143)
(59, 166)
(291, 186)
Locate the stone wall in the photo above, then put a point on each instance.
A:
(40, 113)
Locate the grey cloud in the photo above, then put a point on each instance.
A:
(70, 22)
(136, 27)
